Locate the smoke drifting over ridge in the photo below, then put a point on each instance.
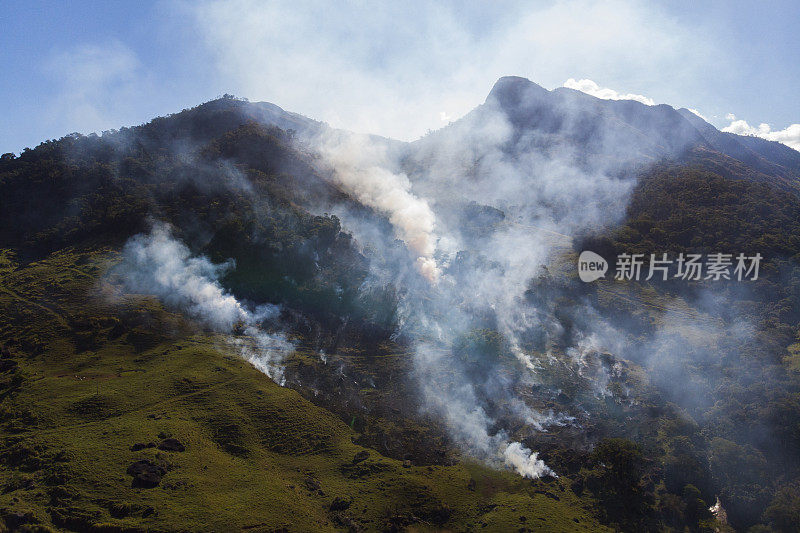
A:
(488, 203)
(460, 225)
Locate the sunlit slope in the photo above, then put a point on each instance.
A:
(88, 374)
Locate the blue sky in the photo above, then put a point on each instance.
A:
(396, 70)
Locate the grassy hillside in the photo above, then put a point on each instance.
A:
(86, 382)
(117, 414)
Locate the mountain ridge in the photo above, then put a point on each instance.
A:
(93, 369)
(655, 131)
(680, 128)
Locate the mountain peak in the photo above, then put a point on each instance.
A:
(508, 90)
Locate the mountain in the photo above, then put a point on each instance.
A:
(621, 131)
(236, 317)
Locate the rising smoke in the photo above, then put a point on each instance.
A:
(481, 209)
(159, 264)
(490, 203)
(484, 210)
(362, 166)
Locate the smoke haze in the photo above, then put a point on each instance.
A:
(461, 224)
(488, 205)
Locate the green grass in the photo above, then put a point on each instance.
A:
(98, 371)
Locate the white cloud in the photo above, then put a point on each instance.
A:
(590, 87)
(696, 112)
(790, 136)
(375, 68)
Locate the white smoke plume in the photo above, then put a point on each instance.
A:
(361, 166)
(491, 204)
(469, 423)
(424, 193)
(524, 462)
(605, 93)
(790, 136)
(159, 264)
